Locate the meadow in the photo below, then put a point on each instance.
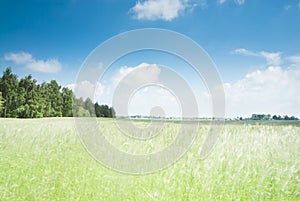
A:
(43, 159)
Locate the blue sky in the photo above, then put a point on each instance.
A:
(51, 39)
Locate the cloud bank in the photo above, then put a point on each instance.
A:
(273, 90)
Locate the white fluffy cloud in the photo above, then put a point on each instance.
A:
(87, 89)
(144, 71)
(274, 90)
(48, 66)
(159, 9)
(272, 58)
(168, 10)
(44, 66)
(150, 97)
(142, 101)
(103, 94)
(18, 58)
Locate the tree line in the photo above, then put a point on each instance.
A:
(25, 98)
(274, 117)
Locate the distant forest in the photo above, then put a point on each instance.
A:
(25, 98)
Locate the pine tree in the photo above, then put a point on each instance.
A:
(9, 87)
(53, 99)
(67, 96)
(29, 98)
(89, 105)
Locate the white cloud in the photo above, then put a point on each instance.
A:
(244, 52)
(238, 2)
(273, 90)
(294, 59)
(18, 58)
(299, 5)
(23, 58)
(272, 58)
(221, 1)
(87, 89)
(150, 97)
(127, 76)
(159, 9)
(143, 72)
(146, 96)
(48, 66)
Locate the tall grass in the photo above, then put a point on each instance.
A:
(43, 159)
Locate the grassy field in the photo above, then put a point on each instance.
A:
(43, 159)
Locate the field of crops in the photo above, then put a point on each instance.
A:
(43, 159)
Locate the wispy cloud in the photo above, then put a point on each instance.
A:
(24, 58)
(272, 58)
(287, 7)
(160, 9)
(244, 52)
(294, 59)
(238, 2)
(221, 1)
(292, 6)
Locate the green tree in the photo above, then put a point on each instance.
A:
(104, 111)
(89, 105)
(29, 100)
(1, 103)
(67, 96)
(97, 110)
(112, 112)
(79, 111)
(9, 87)
(53, 99)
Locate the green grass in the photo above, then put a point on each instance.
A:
(43, 159)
